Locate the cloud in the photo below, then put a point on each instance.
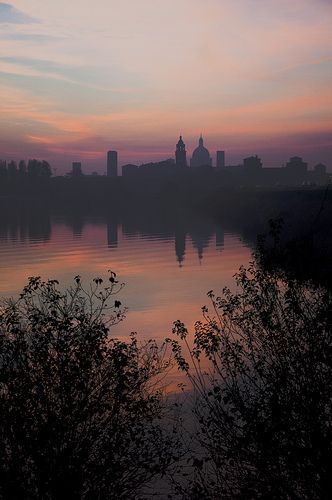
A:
(32, 37)
(108, 79)
(9, 14)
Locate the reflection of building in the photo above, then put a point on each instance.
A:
(180, 245)
(76, 169)
(77, 223)
(220, 238)
(112, 164)
(201, 156)
(220, 159)
(200, 238)
(112, 234)
(181, 154)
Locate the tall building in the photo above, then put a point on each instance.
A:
(220, 159)
(181, 154)
(112, 164)
(76, 169)
(201, 156)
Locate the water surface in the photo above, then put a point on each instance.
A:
(168, 264)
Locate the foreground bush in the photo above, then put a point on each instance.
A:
(78, 411)
(263, 410)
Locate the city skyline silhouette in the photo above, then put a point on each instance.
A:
(254, 77)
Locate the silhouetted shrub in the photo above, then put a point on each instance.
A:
(303, 252)
(263, 408)
(79, 412)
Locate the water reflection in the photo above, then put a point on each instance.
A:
(168, 261)
(25, 226)
(201, 232)
(33, 227)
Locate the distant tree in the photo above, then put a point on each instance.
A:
(46, 170)
(12, 170)
(33, 168)
(39, 169)
(22, 168)
(79, 411)
(264, 405)
(3, 169)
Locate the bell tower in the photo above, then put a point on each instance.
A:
(181, 154)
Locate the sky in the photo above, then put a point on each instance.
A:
(79, 78)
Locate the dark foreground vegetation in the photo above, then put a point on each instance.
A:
(80, 412)
(83, 416)
(263, 408)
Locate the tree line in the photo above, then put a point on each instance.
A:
(33, 169)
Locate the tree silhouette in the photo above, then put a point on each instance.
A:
(263, 406)
(79, 411)
(38, 169)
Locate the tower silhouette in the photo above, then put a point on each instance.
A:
(220, 159)
(181, 154)
(76, 169)
(112, 164)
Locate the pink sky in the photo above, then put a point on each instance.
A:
(78, 78)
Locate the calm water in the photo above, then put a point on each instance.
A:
(168, 264)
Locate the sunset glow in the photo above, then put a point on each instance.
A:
(78, 78)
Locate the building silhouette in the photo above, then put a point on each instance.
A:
(220, 159)
(252, 164)
(129, 170)
(320, 169)
(112, 164)
(201, 156)
(297, 165)
(181, 154)
(76, 169)
(296, 171)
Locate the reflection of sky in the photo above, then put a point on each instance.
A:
(157, 291)
(77, 78)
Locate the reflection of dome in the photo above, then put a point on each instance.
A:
(201, 156)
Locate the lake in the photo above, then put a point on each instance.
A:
(168, 262)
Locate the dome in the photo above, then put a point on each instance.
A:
(201, 150)
(201, 156)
